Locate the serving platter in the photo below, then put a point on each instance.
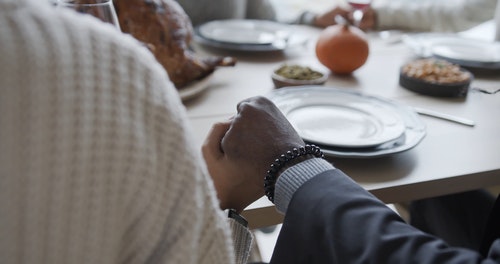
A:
(349, 124)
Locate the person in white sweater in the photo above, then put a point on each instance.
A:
(97, 163)
(423, 15)
(204, 11)
(428, 15)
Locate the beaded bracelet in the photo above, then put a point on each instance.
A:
(279, 163)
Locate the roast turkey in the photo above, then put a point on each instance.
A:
(164, 27)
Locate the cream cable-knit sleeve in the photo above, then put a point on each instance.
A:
(96, 160)
(431, 15)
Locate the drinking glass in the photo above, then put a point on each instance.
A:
(102, 9)
(359, 7)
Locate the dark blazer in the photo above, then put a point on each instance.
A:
(331, 219)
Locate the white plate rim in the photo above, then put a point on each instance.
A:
(385, 125)
(439, 49)
(293, 42)
(423, 44)
(414, 133)
(280, 31)
(195, 88)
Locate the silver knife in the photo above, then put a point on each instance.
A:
(456, 119)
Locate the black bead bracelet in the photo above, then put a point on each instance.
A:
(279, 163)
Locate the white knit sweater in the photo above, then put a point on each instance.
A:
(96, 161)
(433, 15)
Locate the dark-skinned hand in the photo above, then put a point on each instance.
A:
(239, 152)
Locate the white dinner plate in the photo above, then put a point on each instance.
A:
(478, 56)
(294, 41)
(194, 88)
(421, 43)
(349, 124)
(467, 50)
(244, 31)
(342, 120)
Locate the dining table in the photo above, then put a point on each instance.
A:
(451, 158)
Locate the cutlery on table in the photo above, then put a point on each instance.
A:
(452, 118)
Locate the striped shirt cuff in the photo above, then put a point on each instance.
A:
(292, 178)
(242, 240)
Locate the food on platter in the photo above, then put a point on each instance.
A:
(435, 77)
(167, 31)
(297, 75)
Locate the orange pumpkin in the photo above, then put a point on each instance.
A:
(342, 48)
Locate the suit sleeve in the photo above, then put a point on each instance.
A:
(331, 219)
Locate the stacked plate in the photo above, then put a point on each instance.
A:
(349, 124)
(245, 35)
(473, 54)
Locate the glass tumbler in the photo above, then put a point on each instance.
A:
(102, 9)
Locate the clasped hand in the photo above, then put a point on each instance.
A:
(238, 152)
